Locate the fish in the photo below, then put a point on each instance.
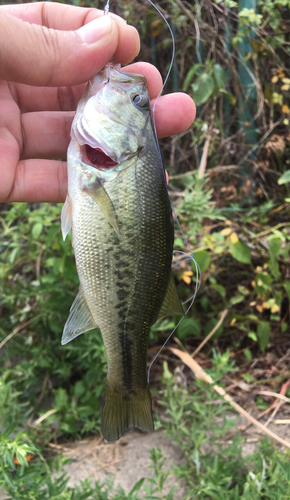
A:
(122, 234)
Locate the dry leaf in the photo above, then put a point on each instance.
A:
(186, 276)
(28, 457)
(234, 238)
(226, 231)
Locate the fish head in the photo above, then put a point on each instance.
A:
(112, 122)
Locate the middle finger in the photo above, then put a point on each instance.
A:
(47, 134)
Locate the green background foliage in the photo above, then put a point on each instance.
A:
(232, 199)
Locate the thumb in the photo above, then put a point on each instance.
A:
(37, 55)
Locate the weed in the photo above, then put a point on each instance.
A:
(214, 465)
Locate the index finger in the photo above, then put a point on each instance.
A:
(55, 15)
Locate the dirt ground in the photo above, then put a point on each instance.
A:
(129, 459)
(125, 462)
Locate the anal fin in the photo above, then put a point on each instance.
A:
(79, 321)
(171, 304)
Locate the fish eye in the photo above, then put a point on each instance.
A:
(140, 101)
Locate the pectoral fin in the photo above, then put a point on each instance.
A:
(79, 321)
(171, 304)
(98, 193)
(66, 217)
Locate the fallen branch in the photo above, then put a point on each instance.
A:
(225, 312)
(19, 328)
(201, 374)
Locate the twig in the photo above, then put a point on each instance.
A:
(275, 395)
(44, 416)
(225, 312)
(19, 328)
(278, 406)
(201, 374)
(217, 169)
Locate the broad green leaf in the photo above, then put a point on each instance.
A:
(236, 299)
(219, 289)
(203, 88)
(248, 354)
(284, 177)
(241, 252)
(274, 247)
(37, 229)
(13, 254)
(252, 336)
(287, 288)
(188, 326)
(61, 398)
(219, 76)
(189, 77)
(263, 334)
(203, 258)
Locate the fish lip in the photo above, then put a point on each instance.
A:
(83, 137)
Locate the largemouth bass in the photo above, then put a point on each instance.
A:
(122, 234)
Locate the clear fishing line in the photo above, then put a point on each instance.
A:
(190, 255)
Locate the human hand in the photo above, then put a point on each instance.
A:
(48, 51)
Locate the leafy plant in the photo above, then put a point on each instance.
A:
(197, 204)
(215, 466)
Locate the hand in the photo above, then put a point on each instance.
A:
(47, 52)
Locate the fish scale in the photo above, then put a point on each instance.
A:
(122, 233)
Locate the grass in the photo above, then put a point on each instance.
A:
(213, 465)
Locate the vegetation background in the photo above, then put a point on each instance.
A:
(230, 186)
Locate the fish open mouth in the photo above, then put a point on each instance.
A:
(98, 158)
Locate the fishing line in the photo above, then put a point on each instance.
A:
(190, 256)
(107, 8)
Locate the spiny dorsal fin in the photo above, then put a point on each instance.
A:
(79, 321)
(98, 193)
(171, 304)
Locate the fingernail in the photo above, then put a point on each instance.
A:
(93, 31)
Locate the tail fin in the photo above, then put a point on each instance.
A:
(124, 409)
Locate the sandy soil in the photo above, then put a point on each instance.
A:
(125, 462)
(129, 459)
